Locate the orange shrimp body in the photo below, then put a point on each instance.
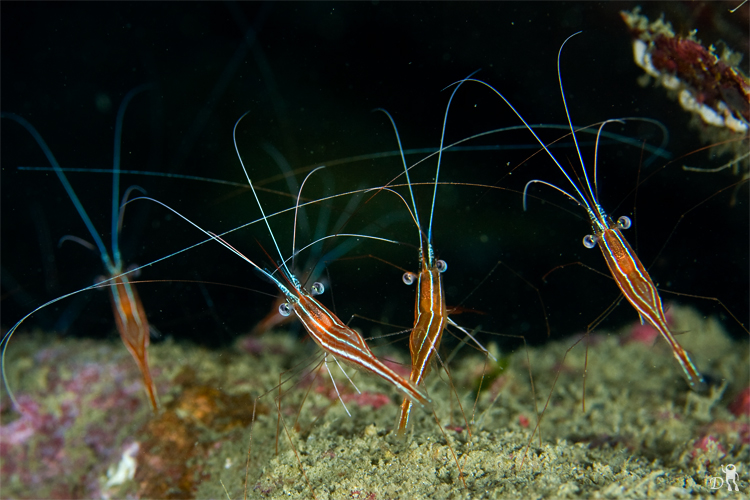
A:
(337, 339)
(430, 317)
(132, 325)
(328, 331)
(129, 314)
(630, 275)
(636, 285)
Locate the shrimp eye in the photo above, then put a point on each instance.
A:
(135, 270)
(409, 278)
(623, 222)
(589, 241)
(317, 288)
(441, 266)
(285, 309)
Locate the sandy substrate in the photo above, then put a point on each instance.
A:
(643, 432)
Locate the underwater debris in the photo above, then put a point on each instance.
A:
(711, 87)
(125, 469)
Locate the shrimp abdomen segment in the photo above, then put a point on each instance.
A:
(638, 288)
(348, 346)
(132, 325)
(328, 330)
(429, 323)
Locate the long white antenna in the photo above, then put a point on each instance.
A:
(262, 213)
(440, 157)
(583, 199)
(415, 214)
(296, 210)
(567, 114)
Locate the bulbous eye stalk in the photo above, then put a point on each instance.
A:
(624, 222)
(441, 266)
(409, 278)
(589, 241)
(317, 288)
(136, 274)
(285, 309)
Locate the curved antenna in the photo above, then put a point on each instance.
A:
(5, 340)
(242, 226)
(219, 239)
(324, 214)
(296, 210)
(78, 240)
(124, 202)
(570, 123)
(440, 157)
(534, 181)
(68, 188)
(655, 151)
(116, 173)
(338, 235)
(286, 170)
(415, 214)
(412, 214)
(595, 194)
(262, 213)
(541, 143)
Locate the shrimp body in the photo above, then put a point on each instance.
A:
(326, 329)
(429, 320)
(636, 285)
(129, 314)
(631, 276)
(132, 325)
(430, 317)
(430, 314)
(337, 339)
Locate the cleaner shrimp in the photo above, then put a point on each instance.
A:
(130, 316)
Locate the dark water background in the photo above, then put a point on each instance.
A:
(310, 74)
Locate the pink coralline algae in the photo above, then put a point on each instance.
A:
(367, 398)
(707, 450)
(740, 407)
(645, 333)
(642, 333)
(347, 395)
(67, 433)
